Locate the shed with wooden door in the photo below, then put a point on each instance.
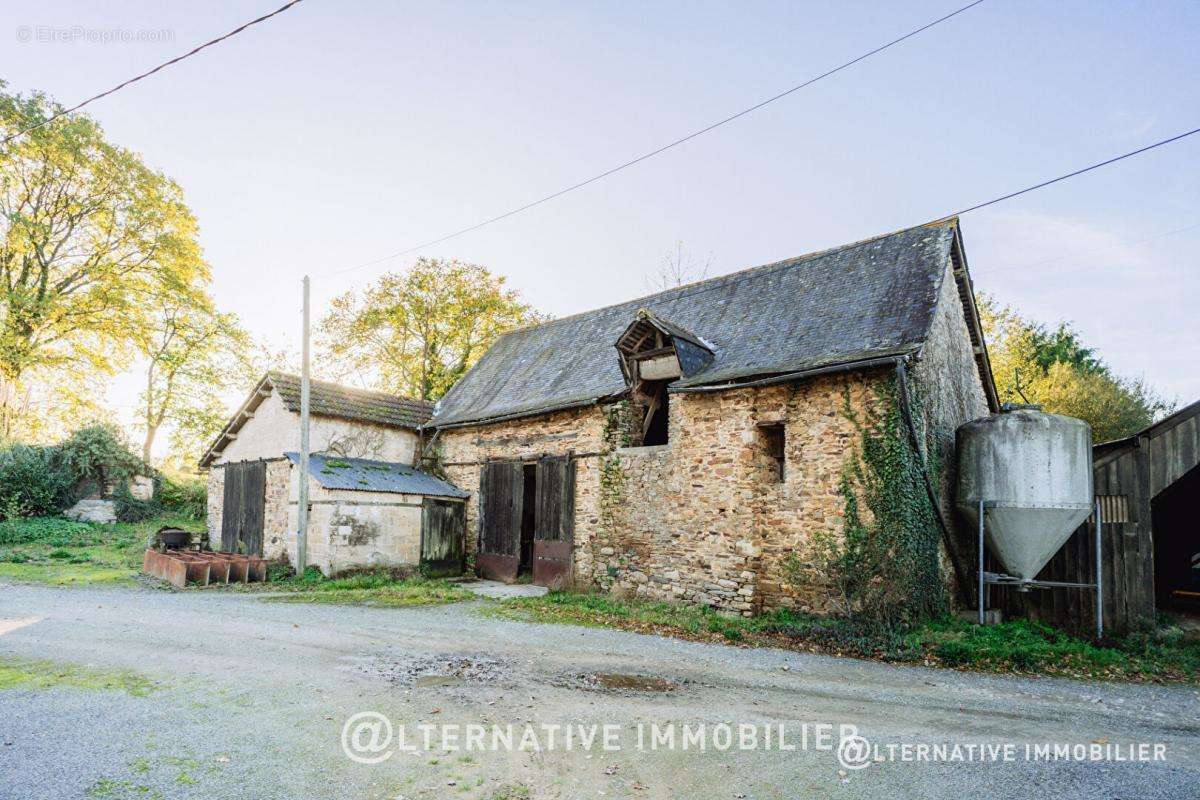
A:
(1148, 486)
(378, 514)
(370, 506)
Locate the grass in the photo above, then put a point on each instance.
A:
(381, 588)
(60, 552)
(20, 673)
(1167, 655)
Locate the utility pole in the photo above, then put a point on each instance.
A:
(302, 526)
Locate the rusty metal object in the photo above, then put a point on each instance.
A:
(180, 567)
(551, 563)
(497, 567)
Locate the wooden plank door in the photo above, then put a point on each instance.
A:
(243, 507)
(554, 531)
(501, 486)
(442, 525)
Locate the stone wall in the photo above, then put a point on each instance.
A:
(352, 529)
(703, 518)
(949, 392)
(461, 453)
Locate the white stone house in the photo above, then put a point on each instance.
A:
(368, 506)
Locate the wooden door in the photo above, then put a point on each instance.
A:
(245, 497)
(501, 485)
(442, 525)
(554, 531)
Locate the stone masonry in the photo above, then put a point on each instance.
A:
(704, 518)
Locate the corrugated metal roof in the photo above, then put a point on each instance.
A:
(860, 301)
(360, 474)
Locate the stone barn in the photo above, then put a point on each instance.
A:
(369, 506)
(691, 445)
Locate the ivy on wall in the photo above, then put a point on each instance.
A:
(885, 563)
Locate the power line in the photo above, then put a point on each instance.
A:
(148, 73)
(1044, 184)
(659, 150)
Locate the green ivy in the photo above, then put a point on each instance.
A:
(886, 564)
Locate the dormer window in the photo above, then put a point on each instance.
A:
(654, 353)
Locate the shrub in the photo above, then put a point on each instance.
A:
(33, 481)
(187, 498)
(133, 509)
(99, 453)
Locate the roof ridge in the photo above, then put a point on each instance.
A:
(274, 373)
(742, 274)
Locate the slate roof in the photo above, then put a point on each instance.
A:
(865, 300)
(360, 405)
(360, 474)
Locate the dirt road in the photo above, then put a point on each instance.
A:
(254, 698)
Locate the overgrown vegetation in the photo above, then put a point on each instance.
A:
(21, 673)
(383, 588)
(884, 564)
(41, 480)
(1168, 655)
(61, 552)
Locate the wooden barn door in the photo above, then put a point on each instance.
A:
(501, 486)
(554, 533)
(442, 524)
(244, 504)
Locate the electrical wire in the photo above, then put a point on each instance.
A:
(657, 151)
(148, 73)
(1046, 183)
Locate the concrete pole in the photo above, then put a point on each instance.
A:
(302, 526)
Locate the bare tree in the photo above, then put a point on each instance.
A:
(678, 267)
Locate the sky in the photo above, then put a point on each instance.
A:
(341, 132)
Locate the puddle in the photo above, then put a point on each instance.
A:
(620, 682)
(441, 670)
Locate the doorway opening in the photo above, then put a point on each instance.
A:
(528, 519)
(1177, 545)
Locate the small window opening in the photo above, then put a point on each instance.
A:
(774, 440)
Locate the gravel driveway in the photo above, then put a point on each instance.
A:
(254, 697)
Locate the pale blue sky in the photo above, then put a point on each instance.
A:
(343, 131)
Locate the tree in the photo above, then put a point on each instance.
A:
(417, 332)
(194, 354)
(678, 267)
(90, 240)
(1054, 369)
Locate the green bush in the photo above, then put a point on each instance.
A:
(99, 453)
(184, 498)
(133, 509)
(33, 481)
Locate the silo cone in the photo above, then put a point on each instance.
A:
(1034, 470)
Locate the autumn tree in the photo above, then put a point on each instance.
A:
(417, 332)
(1053, 368)
(91, 239)
(193, 355)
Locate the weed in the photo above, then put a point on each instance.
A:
(18, 673)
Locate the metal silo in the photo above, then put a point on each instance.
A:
(1028, 474)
